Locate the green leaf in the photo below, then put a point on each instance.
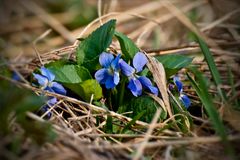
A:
(86, 89)
(40, 132)
(128, 48)
(202, 91)
(59, 63)
(173, 63)
(212, 66)
(29, 103)
(143, 103)
(97, 42)
(92, 65)
(91, 87)
(19, 101)
(70, 73)
(210, 61)
(15, 100)
(4, 71)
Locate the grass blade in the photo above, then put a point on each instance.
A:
(137, 117)
(233, 88)
(109, 125)
(202, 91)
(212, 67)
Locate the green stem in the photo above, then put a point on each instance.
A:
(109, 100)
(122, 90)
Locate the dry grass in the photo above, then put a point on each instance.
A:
(79, 136)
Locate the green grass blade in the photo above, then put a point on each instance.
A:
(109, 125)
(212, 67)
(201, 89)
(234, 91)
(137, 117)
(210, 61)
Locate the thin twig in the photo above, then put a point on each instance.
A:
(181, 17)
(100, 11)
(142, 146)
(220, 20)
(156, 144)
(42, 36)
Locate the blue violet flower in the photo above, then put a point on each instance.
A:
(109, 74)
(137, 83)
(51, 102)
(16, 77)
(46, 81)
(183, 98)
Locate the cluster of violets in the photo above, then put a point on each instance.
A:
(109, 75)
(46, 81)
(182, 97)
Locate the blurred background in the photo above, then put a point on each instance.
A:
(152, 24)
(33, 30)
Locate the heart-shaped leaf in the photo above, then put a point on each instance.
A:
(70, 73)
(91, 47)
(86, 89)
(128, 48)
(173, 63)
